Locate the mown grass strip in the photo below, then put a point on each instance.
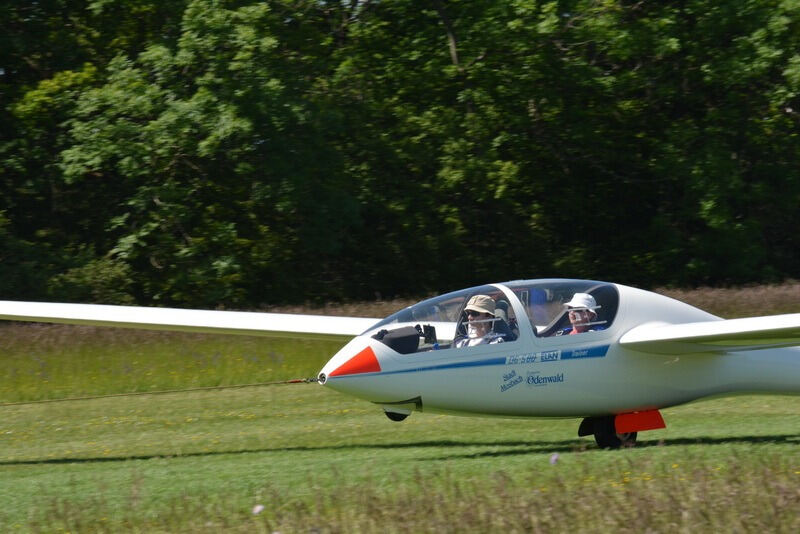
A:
(316, 459)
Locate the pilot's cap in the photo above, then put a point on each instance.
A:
(481, 304)
(583, 301)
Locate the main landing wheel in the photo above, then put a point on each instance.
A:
(395, 416)
(607, 437)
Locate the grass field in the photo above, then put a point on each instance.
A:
(301, 458)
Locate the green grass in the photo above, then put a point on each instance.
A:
(53, 361)
(318, 461)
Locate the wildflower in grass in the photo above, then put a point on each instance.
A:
(257, 509)
(554, 458)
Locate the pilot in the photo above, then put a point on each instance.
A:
(480, 313)
(582, 315)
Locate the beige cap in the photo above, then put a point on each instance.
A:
(482, 304)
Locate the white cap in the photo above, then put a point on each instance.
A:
(583, 301)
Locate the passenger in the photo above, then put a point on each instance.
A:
(582, 315)
(480, 314)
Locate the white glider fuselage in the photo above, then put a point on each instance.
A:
(590, 374)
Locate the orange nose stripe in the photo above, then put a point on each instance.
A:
(363, 362)
(639, 421)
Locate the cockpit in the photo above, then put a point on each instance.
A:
(500, 313)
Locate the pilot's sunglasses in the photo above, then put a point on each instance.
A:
(473, 313)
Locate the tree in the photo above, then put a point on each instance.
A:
(233, 153)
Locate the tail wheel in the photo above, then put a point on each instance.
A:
(607, 437)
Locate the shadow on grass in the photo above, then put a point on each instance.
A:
(547, 447)
(507, 448)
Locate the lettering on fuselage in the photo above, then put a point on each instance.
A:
(536, 379)
(531, 357)
(551, 355)
(557, 355)
(510, 380)
(588, 352)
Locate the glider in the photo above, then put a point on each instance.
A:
(610, 354)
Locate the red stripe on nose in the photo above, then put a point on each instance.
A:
(363, 362)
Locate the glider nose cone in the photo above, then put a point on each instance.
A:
(353, 359)
(364, 361)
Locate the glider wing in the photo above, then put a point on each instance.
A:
(173, 319)
(751, 333)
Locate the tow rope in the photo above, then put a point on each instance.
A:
(164, 391)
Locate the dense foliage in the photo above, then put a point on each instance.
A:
(240, 152)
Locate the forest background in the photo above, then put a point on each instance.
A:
(225, 153)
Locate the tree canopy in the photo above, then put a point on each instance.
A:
(238, 153)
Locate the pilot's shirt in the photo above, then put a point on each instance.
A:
(488, 339)
(568, 331)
